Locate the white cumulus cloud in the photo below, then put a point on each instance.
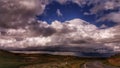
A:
(74, 32)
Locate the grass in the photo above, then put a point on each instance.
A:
(10, 60)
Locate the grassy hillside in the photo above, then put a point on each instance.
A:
(10, 60)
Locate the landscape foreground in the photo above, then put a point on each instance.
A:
(17, 60)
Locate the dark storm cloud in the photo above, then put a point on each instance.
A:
(18, 13)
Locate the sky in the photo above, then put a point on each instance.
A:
(60, 24)
(70, 10)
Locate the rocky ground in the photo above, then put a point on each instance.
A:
(96, 64)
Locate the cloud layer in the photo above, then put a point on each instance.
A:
(19, 13)
(20, 30)
(75, 32)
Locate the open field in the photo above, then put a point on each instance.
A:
(10, 60)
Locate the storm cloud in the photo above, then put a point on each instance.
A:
(19, 13)
(77, 33)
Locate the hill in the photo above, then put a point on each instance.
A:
(15, 60)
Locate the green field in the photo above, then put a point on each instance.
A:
(10, 60)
